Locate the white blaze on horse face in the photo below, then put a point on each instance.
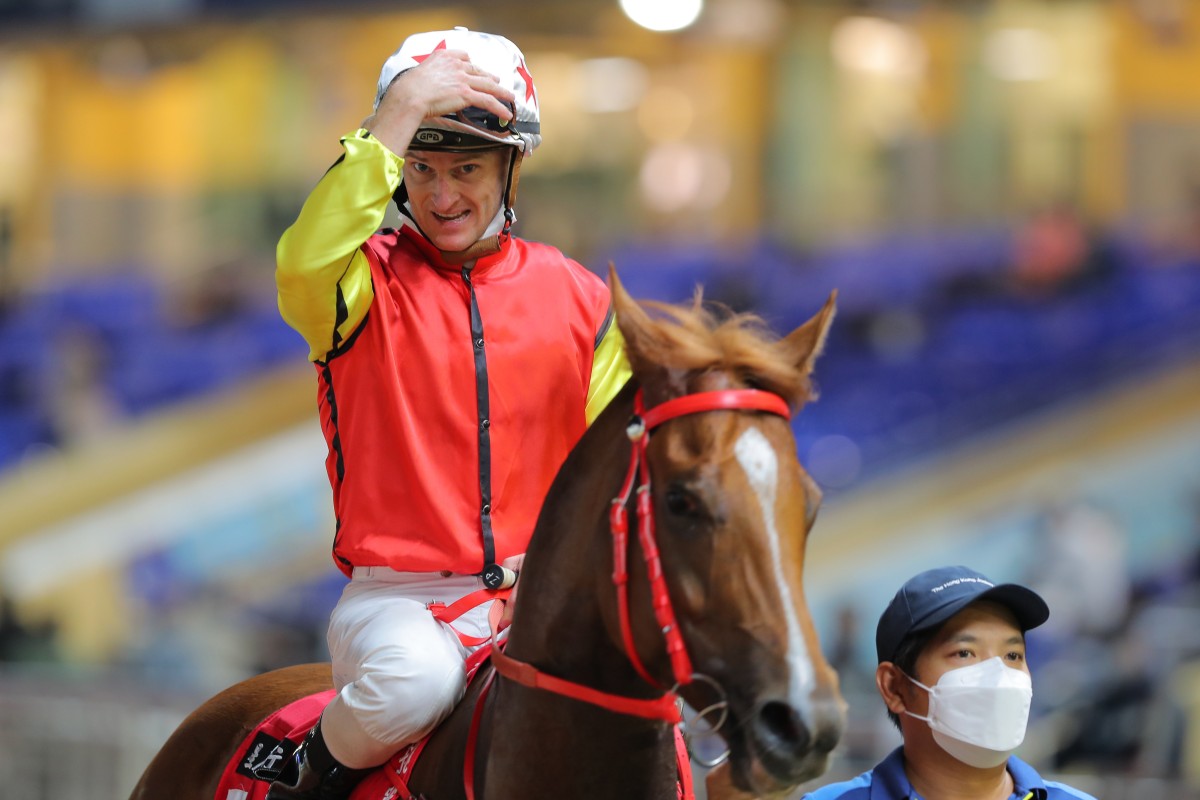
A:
(758, 460)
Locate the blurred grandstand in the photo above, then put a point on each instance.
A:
(932, 346)
(1003, 194)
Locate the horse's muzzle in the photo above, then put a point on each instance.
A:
(793, 747)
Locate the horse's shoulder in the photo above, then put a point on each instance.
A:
(439, 771)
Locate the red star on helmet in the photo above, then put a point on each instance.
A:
(441, 46)
(530, 92)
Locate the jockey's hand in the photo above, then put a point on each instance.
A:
(514, 563)
(444, 83)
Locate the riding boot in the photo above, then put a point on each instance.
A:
(316, 773)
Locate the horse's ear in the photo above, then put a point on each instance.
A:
(807, 341)
(635, 324)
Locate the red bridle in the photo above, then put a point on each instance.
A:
(640, 425)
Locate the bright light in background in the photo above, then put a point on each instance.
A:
(611, 84)
(677, 176)
(662, 15)
(1021, 55)
(878, 47)
(881, 71)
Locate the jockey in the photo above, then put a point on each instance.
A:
(457, 365)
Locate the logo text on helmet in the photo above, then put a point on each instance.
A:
(429, 137)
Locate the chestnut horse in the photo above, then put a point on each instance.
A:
(715, 615)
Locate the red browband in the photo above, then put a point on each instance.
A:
(727, 399)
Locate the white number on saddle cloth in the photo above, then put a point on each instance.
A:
(266, 767)
(405, 762)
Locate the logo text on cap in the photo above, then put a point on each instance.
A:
(957, 581)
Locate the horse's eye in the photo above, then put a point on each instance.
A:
(683, 503)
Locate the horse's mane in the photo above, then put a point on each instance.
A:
(706, 336)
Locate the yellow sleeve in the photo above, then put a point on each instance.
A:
(322, 275)
(610, 370)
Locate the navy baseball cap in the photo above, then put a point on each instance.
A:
(934, 596)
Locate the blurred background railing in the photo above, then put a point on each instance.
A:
(1005, 194)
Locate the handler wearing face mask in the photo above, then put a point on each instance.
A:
(952, 673)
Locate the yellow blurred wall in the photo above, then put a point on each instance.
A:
(140, 148)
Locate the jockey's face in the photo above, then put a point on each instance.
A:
(455, 196)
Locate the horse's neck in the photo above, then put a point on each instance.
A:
(566, 590)
(559, 626)
(546, 746)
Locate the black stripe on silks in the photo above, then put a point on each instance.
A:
(483, 426)
(340, 159)
(337, 535)
(340, 314)
(346, 345)
(604, 326)
(335, 442)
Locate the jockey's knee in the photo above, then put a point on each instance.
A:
(399, 707)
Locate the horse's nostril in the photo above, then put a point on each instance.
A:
(780, 725)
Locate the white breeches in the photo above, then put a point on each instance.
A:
(398, 671)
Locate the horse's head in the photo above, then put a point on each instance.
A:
(732, 508)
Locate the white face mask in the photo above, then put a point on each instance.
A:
(978, 713)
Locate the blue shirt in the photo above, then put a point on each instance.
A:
(889, 782)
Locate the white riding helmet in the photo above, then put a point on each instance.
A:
(487, 51)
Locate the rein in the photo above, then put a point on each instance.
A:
(643, 421)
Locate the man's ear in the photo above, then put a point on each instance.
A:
(891, 682)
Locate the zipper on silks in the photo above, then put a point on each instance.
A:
(492, 574)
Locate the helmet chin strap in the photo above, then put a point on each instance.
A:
(488, 244)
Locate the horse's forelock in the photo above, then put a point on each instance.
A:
(705, 337)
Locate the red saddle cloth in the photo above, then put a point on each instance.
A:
(264, 753)
(269, 747)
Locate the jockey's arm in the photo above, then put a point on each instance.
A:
(323, 277)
